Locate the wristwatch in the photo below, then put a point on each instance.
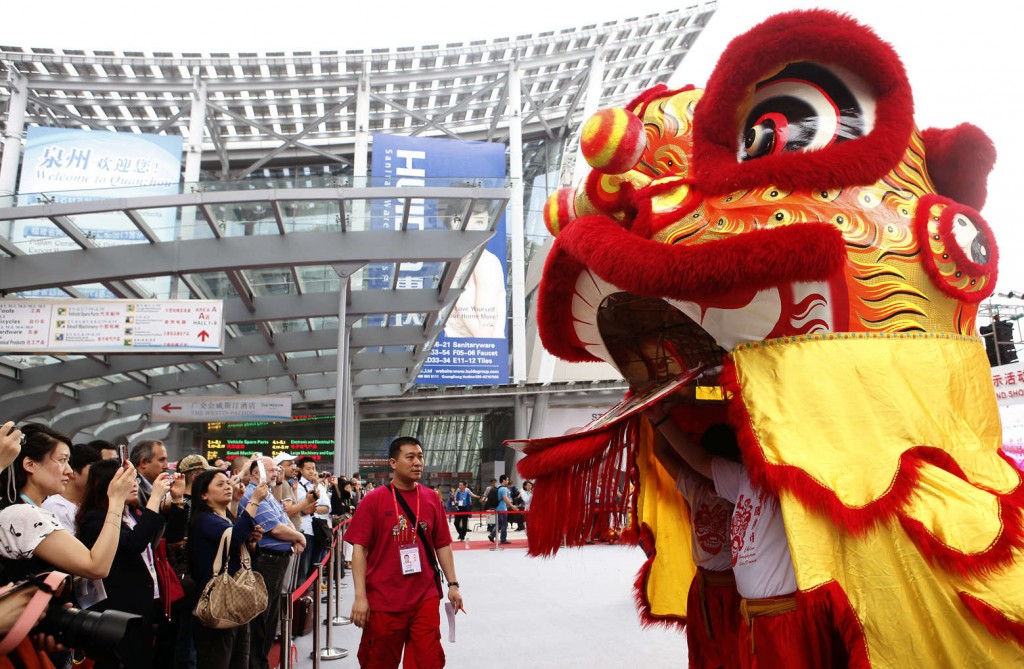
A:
(453, 584)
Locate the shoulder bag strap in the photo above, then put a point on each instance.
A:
(426, 542)
(220, 564)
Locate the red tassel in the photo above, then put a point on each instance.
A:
(579, 487)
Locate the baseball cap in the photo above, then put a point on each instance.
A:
(192, 462)
(283, 457)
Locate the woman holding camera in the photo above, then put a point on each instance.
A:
(212, 492)
(31, 539)
(132, 584)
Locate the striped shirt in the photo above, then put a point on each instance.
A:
(269, 515)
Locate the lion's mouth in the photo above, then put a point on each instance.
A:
(652, 340)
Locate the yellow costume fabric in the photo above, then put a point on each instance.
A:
(877, 463)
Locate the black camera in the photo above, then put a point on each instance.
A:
(111, 636)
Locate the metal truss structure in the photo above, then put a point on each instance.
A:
(273, 213)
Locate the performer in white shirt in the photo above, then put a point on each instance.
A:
(779, 631)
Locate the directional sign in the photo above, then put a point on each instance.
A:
(111, 326)
(206, 408)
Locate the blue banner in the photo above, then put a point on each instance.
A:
(473, 348)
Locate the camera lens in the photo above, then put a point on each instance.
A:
(106, 635)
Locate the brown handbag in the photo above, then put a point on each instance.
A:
(230, 601)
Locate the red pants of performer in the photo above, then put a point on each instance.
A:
(783, 633)
(713, 621)
(418, 631)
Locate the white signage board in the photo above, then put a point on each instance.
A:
(213, 408)
(111, 326)
(1008, 382)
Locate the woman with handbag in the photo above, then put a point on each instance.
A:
(224, 647)
(132, 585)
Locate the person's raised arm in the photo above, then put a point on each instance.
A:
(65, 552)
(10, 444)
(688, 449)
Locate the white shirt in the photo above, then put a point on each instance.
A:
(709, 518)
(64, 509)
(761, 560)
(22, 528)
(322, 499)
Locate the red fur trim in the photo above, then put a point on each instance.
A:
(576, 486)
(996, 555)
(554, 304)
(643, 604)
(994, 620)
(959, 161)
(829, 601)
(753, 261)
(818, 36)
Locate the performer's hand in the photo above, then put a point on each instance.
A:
(455, 597)
(360, 611)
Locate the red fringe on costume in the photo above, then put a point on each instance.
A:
(579, 484)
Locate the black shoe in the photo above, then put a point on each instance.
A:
(490, 537)
(506, 542)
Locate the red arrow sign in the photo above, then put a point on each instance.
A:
(168, 408)
(203, 335)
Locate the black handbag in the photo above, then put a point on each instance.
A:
(322, 532)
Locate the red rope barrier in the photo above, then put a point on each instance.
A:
(301, 590)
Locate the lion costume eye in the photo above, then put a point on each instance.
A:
(806, 107)
(792, 116)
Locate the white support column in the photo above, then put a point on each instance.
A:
(353, 461)
(515, 225)
(193, 164)
(196, 124)
(343, 397)
(595, 87)
(13, 132)
(362, 146)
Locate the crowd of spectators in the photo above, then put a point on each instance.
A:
(136, 539)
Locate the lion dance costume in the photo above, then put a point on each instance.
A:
(789, 244)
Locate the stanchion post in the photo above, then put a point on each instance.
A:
(315, 654)
(286, 630)
(337, 557)
(329, 652)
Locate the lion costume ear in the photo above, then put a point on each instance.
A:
(807, 99)
(959, 161)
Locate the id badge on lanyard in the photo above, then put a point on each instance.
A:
(408, 550)
(410, 556)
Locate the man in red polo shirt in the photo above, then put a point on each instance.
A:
(397, 598)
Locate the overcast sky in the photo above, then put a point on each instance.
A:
(965, 60)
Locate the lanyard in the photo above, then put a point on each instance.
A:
(25, 498)
(406, 539)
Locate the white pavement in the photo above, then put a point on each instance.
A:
(573, 610)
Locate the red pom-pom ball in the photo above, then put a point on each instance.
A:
(613, 140)
(559, 210)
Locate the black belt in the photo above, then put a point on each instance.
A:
(274, 553)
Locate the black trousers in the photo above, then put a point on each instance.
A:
(222, 649)
(264, 627)
(462, 525)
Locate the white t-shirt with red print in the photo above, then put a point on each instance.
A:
(761, 560)
(709, 516)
